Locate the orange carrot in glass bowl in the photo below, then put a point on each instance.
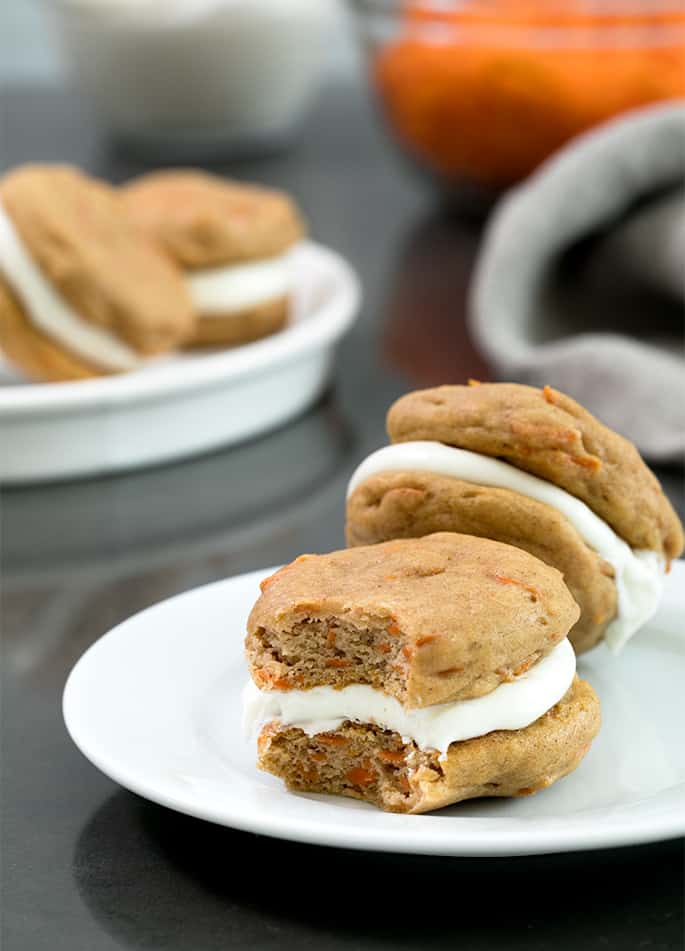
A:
(486, 91)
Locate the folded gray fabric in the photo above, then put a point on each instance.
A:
(581, 280)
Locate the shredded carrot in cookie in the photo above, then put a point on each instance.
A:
(426, 639)
(338, 662)
(387, 756)
(587, 462)
(331, 739)
(393, 629)
(522, 668)
(521, 584)
(384, 647)
(408, 652)
(359, 776)
(448, 671)
(271, 682)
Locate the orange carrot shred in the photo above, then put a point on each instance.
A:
(360, 777)
(331, 739)
(426, 639)
(387, 756)
(521, 584)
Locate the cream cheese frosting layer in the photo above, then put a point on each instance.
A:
(226, 290)
(51, 314)
(638, 573)
(511, 706)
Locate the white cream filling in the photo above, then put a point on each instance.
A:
(226, 290)
(51, 314)
(639, 573)
(511, 706)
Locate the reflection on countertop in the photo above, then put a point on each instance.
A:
(79, 557)
(426, 335)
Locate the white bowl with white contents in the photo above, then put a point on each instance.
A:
(180, 77)
(183, 404)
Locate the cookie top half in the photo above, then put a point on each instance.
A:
(111, 274)
(204, 221)
(429, 620)
(548, 434)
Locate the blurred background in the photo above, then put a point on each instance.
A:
(506, 180)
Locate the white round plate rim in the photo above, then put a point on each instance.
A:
(333, 319)
(657, 817)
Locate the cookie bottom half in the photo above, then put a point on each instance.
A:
(366, 762)
(245, 326)
(33, 351)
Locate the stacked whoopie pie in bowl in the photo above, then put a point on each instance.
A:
(82, 292)
(433, 660)
(233, 243)
(96, 280)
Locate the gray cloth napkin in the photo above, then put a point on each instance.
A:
(581, 279)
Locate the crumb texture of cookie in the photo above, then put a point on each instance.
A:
(428, 621)
(381, 767)
(205, 221)
(413, 504)
(110, 274)
(548, 434)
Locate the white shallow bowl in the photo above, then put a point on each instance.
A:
(184, 404)
(158, 710)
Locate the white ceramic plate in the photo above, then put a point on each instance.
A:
(155, 704)
(186, 404)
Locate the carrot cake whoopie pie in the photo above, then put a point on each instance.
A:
(232, 240)
(82, 292)
(534, 469)
(417, 673)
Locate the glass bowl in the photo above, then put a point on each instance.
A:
(480, 92)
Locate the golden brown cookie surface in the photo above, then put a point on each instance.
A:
(426, 620)
(205, 221)
(413, 504)
(111, 274)
(230, 330)
(365, 762)
(550, 435)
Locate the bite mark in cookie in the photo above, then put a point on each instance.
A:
(474, 692)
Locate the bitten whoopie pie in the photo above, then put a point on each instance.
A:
(233, 242)
(531, 468)
(82, 291)
(417, 673)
